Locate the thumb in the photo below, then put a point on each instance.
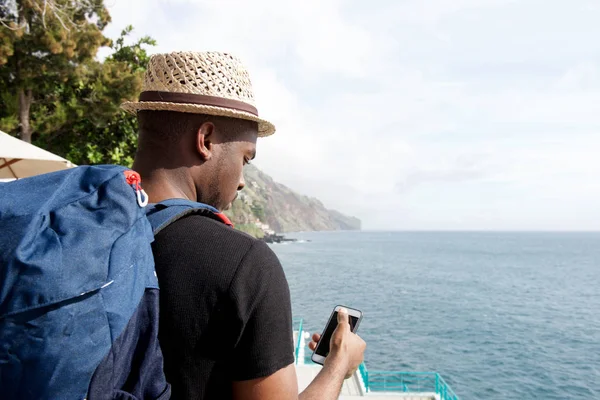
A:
(342, 317)
(340, 331)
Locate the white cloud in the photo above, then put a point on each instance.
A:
(582, 77)
(421, 115)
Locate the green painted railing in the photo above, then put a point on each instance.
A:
(362, 369)
(297, 324)
(443, 389)
(416, 382)
(389, 381)
(406, 382)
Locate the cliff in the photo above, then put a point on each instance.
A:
(268, 206)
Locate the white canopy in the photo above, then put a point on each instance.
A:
(19, 159)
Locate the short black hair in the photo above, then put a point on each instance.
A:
(162, 128)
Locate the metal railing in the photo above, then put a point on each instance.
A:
(297, 327)
(415, 382)
(443, 389)
(386, 381)
(392, 381)
(364, 374)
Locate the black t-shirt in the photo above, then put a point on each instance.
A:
(225, 312)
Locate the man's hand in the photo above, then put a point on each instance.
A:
(345, 347)
(346, 352)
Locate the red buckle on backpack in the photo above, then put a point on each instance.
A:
(134, 179)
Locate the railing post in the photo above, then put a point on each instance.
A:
(299, 342)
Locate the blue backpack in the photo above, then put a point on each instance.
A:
(78, 290)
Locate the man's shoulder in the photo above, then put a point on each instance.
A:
(204, 224)
(209, 235)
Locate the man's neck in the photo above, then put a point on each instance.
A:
(163, 184)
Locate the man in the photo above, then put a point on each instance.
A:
(225, 323)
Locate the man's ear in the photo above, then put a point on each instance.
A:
(204, 139)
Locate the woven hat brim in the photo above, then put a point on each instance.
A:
(265, 128)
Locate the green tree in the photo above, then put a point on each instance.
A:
(259, 212)
(92, 129)
(55, 93)
(44, 43)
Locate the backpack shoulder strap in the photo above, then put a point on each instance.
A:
(166, 212)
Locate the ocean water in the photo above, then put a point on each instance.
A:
(499, 315)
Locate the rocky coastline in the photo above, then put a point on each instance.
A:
(275, 238)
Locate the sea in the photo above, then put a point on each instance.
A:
(498, 315)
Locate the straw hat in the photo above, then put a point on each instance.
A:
(210, 83)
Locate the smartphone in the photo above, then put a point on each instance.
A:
(322, 349)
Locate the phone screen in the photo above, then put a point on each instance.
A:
(323, 347)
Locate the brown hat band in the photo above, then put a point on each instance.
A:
(190, 98)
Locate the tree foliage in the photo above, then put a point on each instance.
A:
(54, 90)
(43, 42)
(96, 130)
(259, 212)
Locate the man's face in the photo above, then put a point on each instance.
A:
(228, 177)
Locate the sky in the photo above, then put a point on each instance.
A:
(414, 114)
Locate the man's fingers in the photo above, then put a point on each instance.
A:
(315, 339)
